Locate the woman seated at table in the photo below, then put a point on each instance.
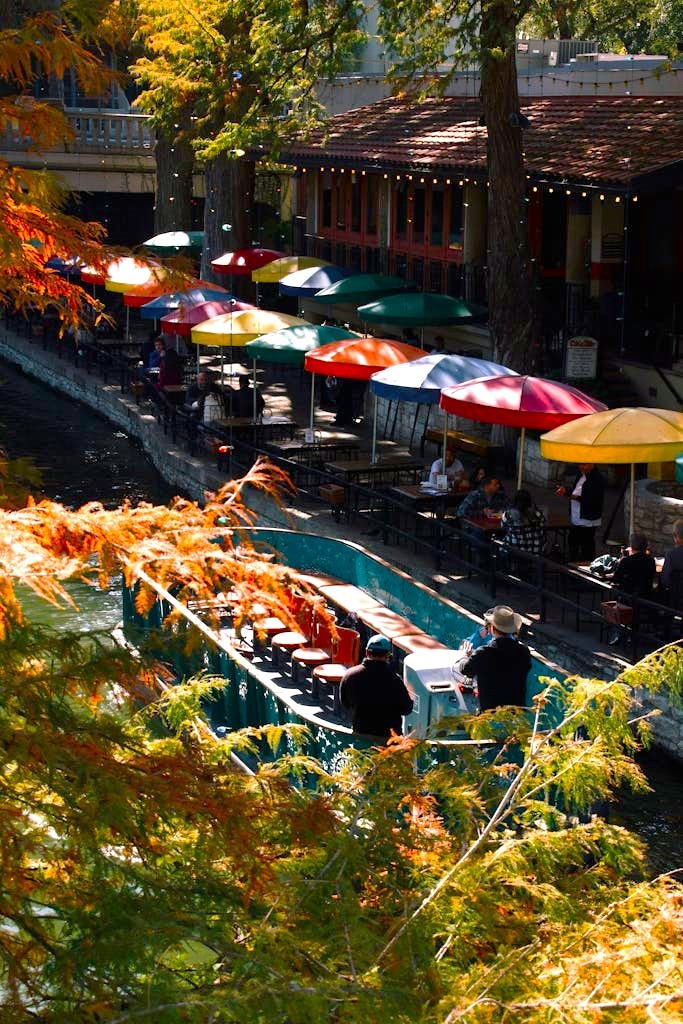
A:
(241, 400)
(636, 570)
(524, 525)
(454, 472)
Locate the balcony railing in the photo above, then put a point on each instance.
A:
(94, 131)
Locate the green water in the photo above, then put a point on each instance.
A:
(81, 458)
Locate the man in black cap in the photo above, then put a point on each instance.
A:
(502, 666)
(374, 693)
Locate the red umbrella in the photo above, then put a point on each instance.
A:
(531, 403)
(243, 261)
(358, 359)
(183, 319)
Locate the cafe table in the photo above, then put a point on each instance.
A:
(302, 451)
(388, 469)
(234, 427)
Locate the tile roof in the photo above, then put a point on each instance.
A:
(602, 139)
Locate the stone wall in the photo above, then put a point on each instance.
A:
(656, 512)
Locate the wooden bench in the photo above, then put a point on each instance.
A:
(470, 444)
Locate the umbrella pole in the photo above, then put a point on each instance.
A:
(415, 419)
(127, 323)
(632, 510)
(374, 430)
(520, 467)
(254, 365)
(310, 422)
(445, 442)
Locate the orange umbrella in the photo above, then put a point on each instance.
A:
(358, 359)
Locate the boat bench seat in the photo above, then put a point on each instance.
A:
(405, 636)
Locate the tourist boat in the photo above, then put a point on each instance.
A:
(258, 693)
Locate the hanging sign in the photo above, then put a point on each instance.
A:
(581, 358)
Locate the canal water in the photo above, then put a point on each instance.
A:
(84, 458)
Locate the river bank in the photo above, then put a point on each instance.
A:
(193, 476)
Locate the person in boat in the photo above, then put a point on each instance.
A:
(374, 694)
(502, 666)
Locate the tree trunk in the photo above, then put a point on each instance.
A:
(174, 163)
(227, 214)
(511, 293)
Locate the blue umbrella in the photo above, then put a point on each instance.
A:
(421, 381)
(65, 268)
(310, 280)
(170, 301)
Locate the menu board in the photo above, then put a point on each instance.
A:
(581, 358)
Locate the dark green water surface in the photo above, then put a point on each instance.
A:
(84, 458)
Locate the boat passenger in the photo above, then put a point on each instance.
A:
(373, 692)
(501, 667)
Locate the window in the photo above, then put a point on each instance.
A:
(455, 233)
(326, 202)
(371, 204)
(340, 191)
(436, 218)
(419, 208)
(355, 204)
(401, 222)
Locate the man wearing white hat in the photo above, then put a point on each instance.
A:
(502, 666)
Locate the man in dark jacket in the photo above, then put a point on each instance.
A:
(502, 666)
(587, 495)
(636, 571)
(374, 694)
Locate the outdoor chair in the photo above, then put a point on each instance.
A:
(288, 641)
(328, 676)
(308, 658)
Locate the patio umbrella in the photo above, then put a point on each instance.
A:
(291, 344)
(422, 380)
(127, 273)
(65, 268)
(138, 296)
(623, 436)
(239, 328)
(166, 303)
(357, 359)
(420, 309)
(526, 402)
(243, 261)
(363, 288)
(277, 269)
(306, 283)
(176, 243)
(90, 275)
(183, 319)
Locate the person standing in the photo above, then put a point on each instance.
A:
(587, 496)
(373, 692)
(502, 666)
